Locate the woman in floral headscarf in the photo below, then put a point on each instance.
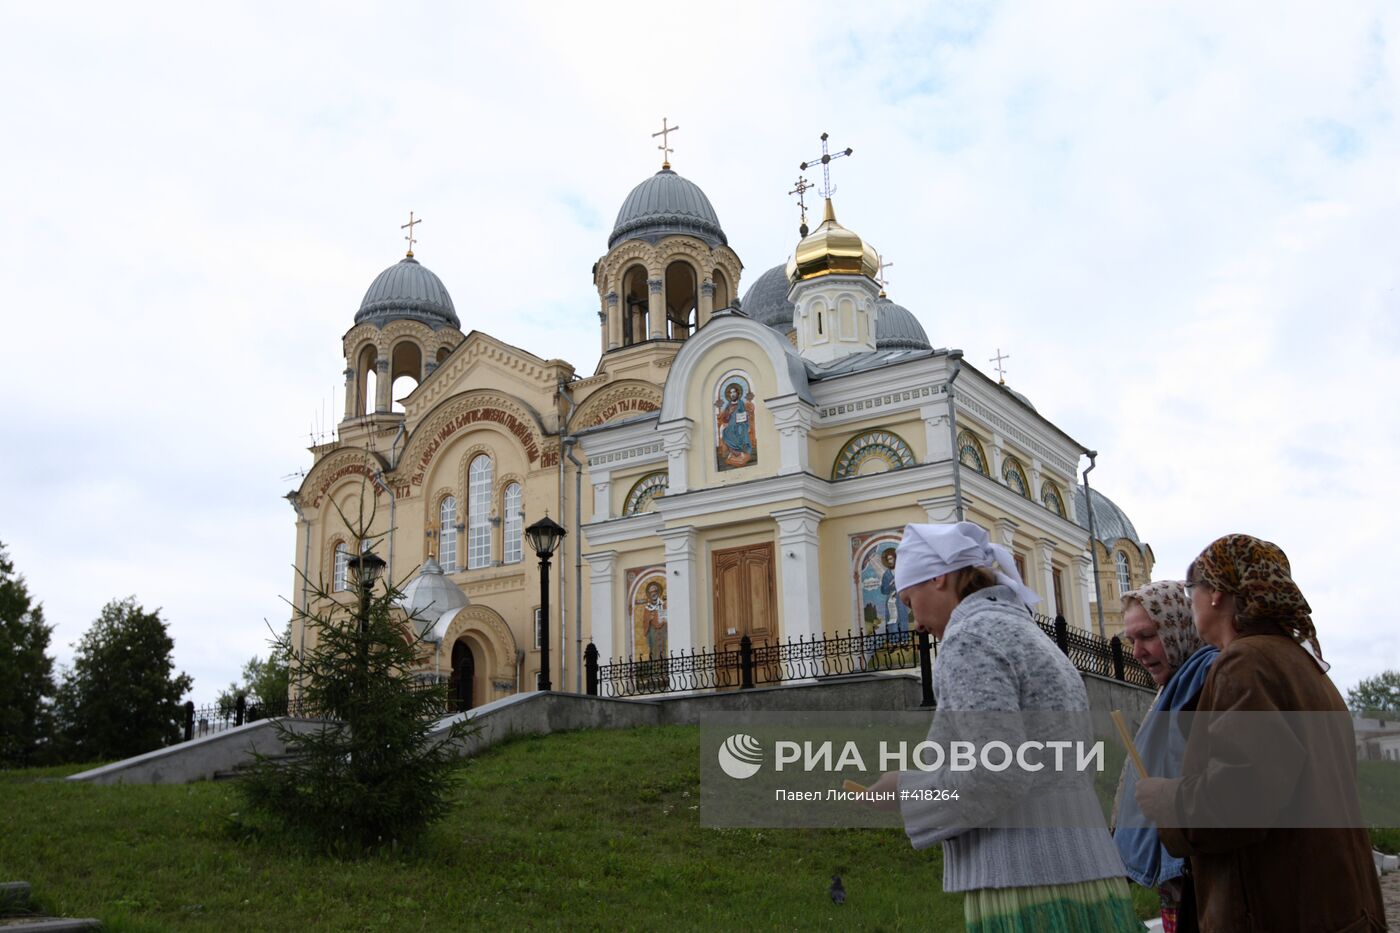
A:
(1257, 874)
(1157, 623)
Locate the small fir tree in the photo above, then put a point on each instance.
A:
(372, 773)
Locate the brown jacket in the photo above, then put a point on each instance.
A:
(1274, 878)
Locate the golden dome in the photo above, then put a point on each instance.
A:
(831, 249)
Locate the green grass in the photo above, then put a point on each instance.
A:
(577, 830)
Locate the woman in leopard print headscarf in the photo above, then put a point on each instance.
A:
(1256, 573)
(1273, 877)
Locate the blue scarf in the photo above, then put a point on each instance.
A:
(1162, 745)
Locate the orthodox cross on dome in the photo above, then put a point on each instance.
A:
(803, 186)
(1001, 370)
(881, 281)
(409, 227)
(665, 147)
(827, 191)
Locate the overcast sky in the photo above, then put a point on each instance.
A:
(1180, 221)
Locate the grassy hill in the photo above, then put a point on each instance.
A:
(579, 830)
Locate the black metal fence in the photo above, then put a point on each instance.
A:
(747, 666)
(752, 665)
(220, 717)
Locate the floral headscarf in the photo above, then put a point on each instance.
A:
(1166, 605)
(1257, 572)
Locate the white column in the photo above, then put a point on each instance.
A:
(1006, 532)
(350, 390)
(656, 308)
(680, 588)
(676, 442)
(383, 386)
(1047, 576)
(799, 570)
(941, 509)
(601, 614)
(602, 495)
(1035, 480)
(793, 418)
(937, 444)
(995, 454)
(1085, 565)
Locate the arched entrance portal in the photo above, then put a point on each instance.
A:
(461, 686)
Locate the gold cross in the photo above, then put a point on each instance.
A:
(665, 147)
(827, 191)
(409, 227)
(803, 185)
(1001, 370)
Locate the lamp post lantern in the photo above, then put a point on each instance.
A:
(544, 536)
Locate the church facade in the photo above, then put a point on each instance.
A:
(731, 467)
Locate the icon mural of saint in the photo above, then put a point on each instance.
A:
(737, 443)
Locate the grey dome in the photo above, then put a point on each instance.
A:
(766, 301)
(663, 205)
(1110, 522)
(1022, 399)
(408, 291)
(898, 329)
(430, 595)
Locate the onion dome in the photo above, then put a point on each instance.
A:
(664, 205)
(429, 595)
(767, 302)
(408, 291)
(831, 249)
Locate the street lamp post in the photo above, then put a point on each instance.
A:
(544, 536)
(366, 568)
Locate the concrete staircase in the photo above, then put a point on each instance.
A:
(17, 914)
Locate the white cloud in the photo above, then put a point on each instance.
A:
(1177, 220)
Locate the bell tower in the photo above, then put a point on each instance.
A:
(668, 267)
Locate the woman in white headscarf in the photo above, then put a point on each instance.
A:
(1029, 848)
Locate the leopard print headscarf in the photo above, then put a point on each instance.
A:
(1166, 605)
(1257, 572)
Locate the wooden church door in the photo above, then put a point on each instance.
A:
(745, 596)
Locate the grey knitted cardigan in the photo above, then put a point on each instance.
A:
(994, 658)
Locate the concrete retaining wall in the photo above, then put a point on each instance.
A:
(545, 713)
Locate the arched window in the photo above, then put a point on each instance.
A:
(513, 548)
(479, 513)
(342, 567)
(722, 297)
(1050, 497)
(447, 534)
(682, 300)
(1125, 580)
(406, 368)
(366, 378)
(970, 452)
(872, 452)
(1014, 475)
(635, 304)
(642, 496)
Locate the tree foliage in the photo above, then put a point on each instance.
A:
(122, 695)
(1379, 694)
(265, 683)
(26, 672)
(372, 773)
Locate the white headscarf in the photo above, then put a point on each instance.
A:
(929, 551)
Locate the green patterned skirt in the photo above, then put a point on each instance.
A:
(1101, 906)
